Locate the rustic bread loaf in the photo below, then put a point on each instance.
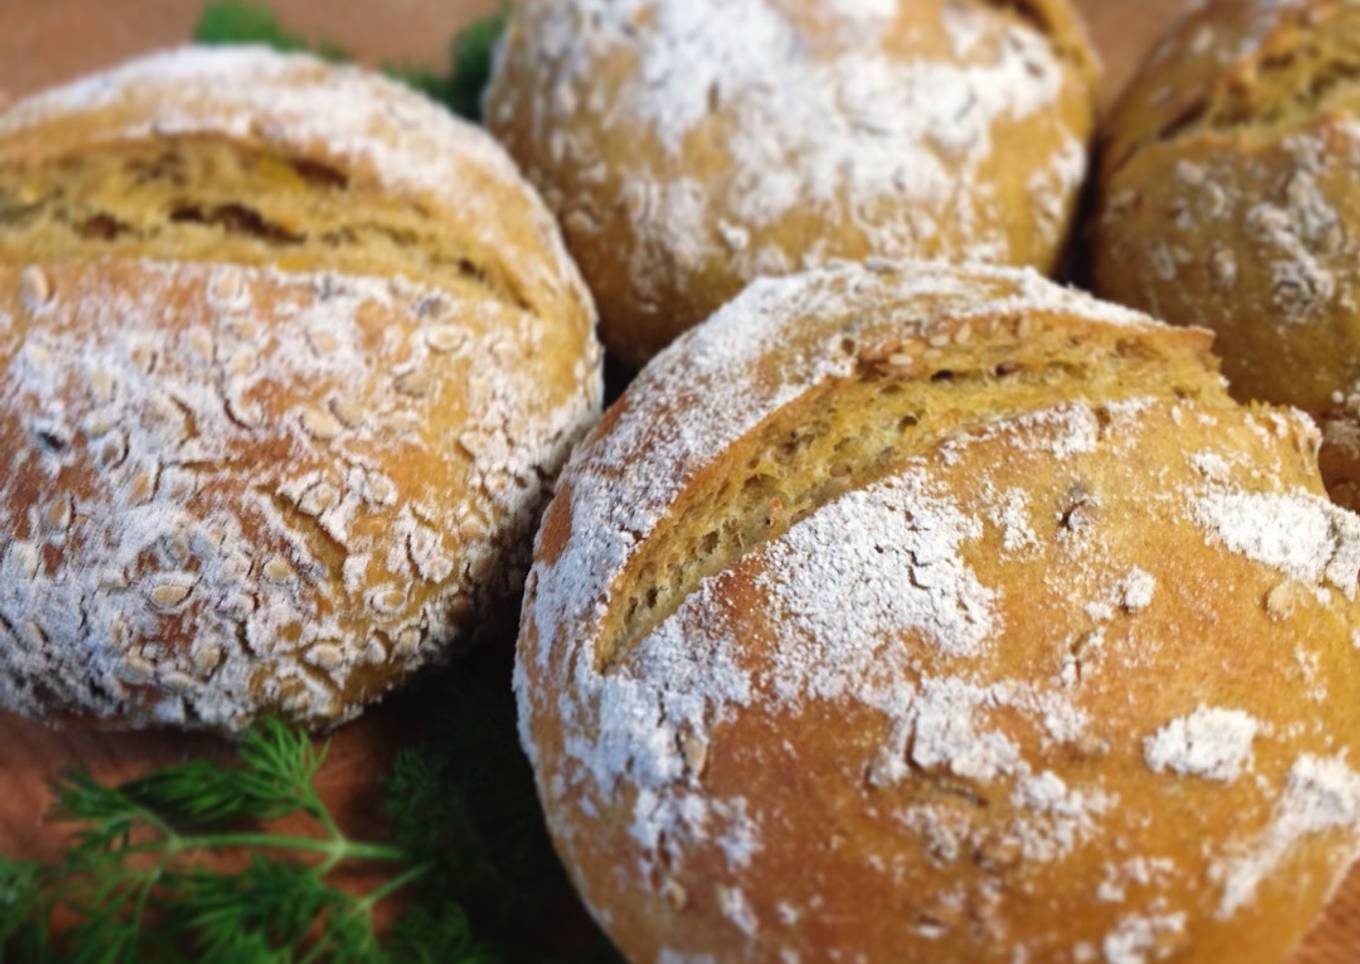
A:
(936, 614)
(689, 146)
(1229, 200)
(290, 358)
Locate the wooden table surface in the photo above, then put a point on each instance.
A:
(46, 41)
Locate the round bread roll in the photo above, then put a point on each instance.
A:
(690, 146)
(943, 614)
(1229, 200)
(290, 360)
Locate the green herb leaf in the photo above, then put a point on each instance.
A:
(435, 934)
(469, 856)
(134, 884)
(473, 51)
(236, 22)
(20, 903)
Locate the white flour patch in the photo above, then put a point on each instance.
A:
(736, 908)
(1056, 817)
(1299, 533)
(1322, 794)
(1211, 743)
(1137, 589)
(883, 560)
(1011, 514)
(1137, 937)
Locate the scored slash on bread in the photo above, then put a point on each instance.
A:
(767, 375)
(921, 612)
(291, 358)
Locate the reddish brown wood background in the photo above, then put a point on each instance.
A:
(45, 41)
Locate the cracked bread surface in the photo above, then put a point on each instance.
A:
(291, 359)
(1227, 200)
(690, 146)
(918, 612)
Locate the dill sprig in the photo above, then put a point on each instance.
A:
(132, 886)
(237, 22)
(466, 856)
(234, 22)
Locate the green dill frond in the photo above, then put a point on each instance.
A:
(348, 937)
(134, 883)
(278, 765)
(243, 948)
(103, 936)
(473, 51)
(273, 779)
(81, 797)
(279, 901)
(469, 863)
(21, 903)
(108, 816)
(197, 793)
(236, 22)
(434, 935)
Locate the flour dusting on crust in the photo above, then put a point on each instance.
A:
(212, 508)
(1322, 794)
(707, 125)
(886, 558)
(936, 682)
(714, 388)
(1301, 534)
(1211, 742)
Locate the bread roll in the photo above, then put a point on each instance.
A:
(936, 614)
(689, 146)
(290, 359)
(1229, 200)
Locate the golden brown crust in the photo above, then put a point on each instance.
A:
(688, 148)
(1228, 201)
(266, 477)
(1004, 697)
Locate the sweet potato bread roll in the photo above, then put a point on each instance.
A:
(1229, 199)
(690, 146)
(289, 358)
(943, 614)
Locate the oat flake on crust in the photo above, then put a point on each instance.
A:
(177, 498)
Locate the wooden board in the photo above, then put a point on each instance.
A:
(46, 41)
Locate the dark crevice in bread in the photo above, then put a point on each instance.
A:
(201, 197)
(848, 434)
(319, 174)
(234, 218)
